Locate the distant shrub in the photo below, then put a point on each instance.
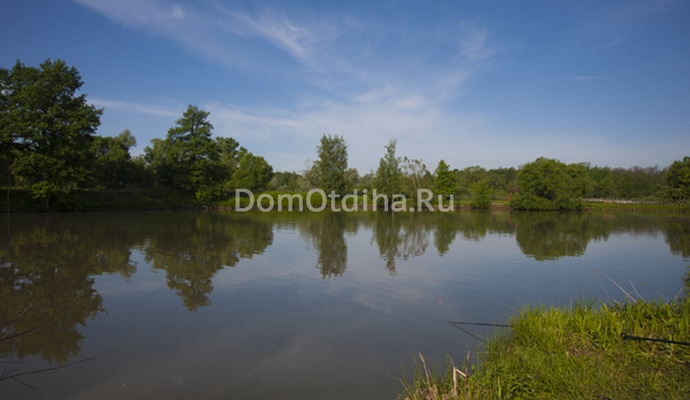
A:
(480, 195)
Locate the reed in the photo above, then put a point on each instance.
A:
(585, 351)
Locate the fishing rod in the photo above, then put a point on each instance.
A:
(479, 324)
(459, 324)
(649, 339)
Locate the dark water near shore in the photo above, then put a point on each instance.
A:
(213, 305)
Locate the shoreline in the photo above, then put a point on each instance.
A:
(635, 349)
(152, 200)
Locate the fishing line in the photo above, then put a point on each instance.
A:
(457, 324)
(648, 339)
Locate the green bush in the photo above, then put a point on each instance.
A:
(547, 184)
(481, 195)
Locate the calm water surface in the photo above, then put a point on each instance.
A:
(180, 305)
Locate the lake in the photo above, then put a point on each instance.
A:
(216, 305)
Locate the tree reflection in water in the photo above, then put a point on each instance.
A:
(678, 236)
(399, 235)
(48, 263)
(327, 233)
(193, 247)
(46, 284)
(543, 236)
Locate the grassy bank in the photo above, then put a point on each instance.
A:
(586, 351)
(87, 200)
(146, 199)
(679, 206)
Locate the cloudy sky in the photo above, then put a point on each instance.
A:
(488, 83)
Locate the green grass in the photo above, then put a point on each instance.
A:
(660, 207)
(577, 352)
(145, 199)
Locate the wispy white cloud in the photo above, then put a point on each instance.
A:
(139, 13)
(137, 108)
(340, 51)
(216, 32)
(367, 122)
(580, 78)
(474, 43)
(424, 130)
(369, 82)
(293, 38)
(193, 28)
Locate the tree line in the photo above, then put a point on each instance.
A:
(49, 149)
(543, 184)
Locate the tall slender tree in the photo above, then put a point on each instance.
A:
(388, 174)
(332, 164)
(415, 173)
(444, 180)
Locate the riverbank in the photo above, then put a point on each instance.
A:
(586, 351)
(21, 201)
(153, 199)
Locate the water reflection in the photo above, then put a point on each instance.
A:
(48, 263)
(191, 248)
(399, 236)
(544, 237)
(678, 237)
(470, 226)
(327, 233)
(46, 284)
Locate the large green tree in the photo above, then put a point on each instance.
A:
(193, 155)
(332, 164)
(548, 184)
(47, 127)
(189, 162)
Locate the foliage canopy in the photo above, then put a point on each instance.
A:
(388, 174)
(47, 129)
(444, 180)
(548, 184)
(332, 164)
(678, 179)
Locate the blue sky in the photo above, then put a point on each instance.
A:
(488, 83)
